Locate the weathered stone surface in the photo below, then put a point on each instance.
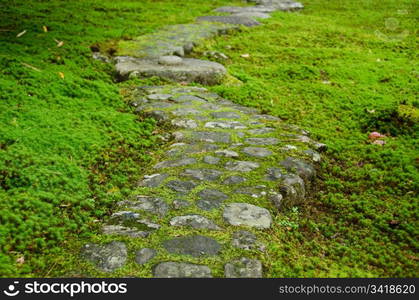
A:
(276, 200)
(263, 130)
(188, 99)
(153, 205)
(244, 240)
(202, 174)
(245, 9)
(194, 245)
(190, 70)
(243, 214)
(241, 166)
(186, 111)
(227, 153)
(229, 20)
(234, 180)
(170, 60)
(253, 191)
(153, 180)
(225, 115)
(144, 255)
(107, 257)
(225, 125)
(252, 15)
(274, 174)
(124, 231)
(180, 186)
(181, 270)
(315, 156)
(175, 163)
(180, 203)
(211, 136)
(185, 123)
(243, 268)
(210, 198)
(293, 190)
(212, 160)
(302, 168)
(257, 152)
(194, 221)
(262, 141)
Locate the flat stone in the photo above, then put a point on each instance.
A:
(315, 156)
(180, 186)
(245, 9)
(188, 99)
(154, 180)
(185, 123)
(212, 160)
(180, 203)
(175, 163)
(263, 130)
(276, 200)
(274, 174)
(190, 70)
(212, 136)
(194, 245)
(234, 180)
(241, 166)
(194, 221)
(253, 192)
(107, 257)
(225, 125)
(267, 118)
(144, 255)
(170, 60)
(302, 168)
(227, 153)
(186, 111)
(201, 148)
(153, 205)
(202, 174)
(292, 188)
(257, 151)
(181, 270)
(159, 97)
(262, 141)
(243, 268)
(244, 214)
(244, 240)
(225, 115)
(252, 15)
(210, 198)
(124, 231)
(229, 20)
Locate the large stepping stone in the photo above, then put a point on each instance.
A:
(181, 270)
(187, 70)
(107, 257)
(202, 174)
(244, 214)
(257, 152)
(225, 115)
(245, 9)
(144, 255)
(241, 166)
(253, 15)
(235, 179)
(292, 188)
(249, 22)
(210, 199)
(153, 205)
(211, 136)
(302, 168)
(194, 221)
(243, 268)
(194, 245)
(153, 180)
(175, 163)
(262, 141)
(244, 240)
(180, 186)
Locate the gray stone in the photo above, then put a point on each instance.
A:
(107, 257)
(190, 70)
(254, 192)
(181, 270)
(315, 156)
(243, 268)
(180, 203)
(185, 111)
(245, 9)
(262, 141)
(194, 221)
(124, 231)
(159, 97)
(212, 136)
(257, 151)
(234, 180)
(263, 130)
(210, 198)
(180, 186)
(202, 174)
(225, 125)
(158, 115)
(194, 245)
(185, 123)
(241, 166)
(227, 153)
(274, 174)
(170, 60)
(244, 240)
(302, 168)
(276, 200)
(229, 20)
(292, 189)
(153, 205)
(201, 148)
(244, 214)
(175, 163)
(267, 118)
(144, 255)
(188, 99)
(212, 160)
(252, 15)
(225, 115)
(153, 180)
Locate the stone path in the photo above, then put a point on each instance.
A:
(227, 170)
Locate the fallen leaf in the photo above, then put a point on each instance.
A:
(21, 33)
(45, 28)
(61, 74)
(20, 260)
(246, 55)
(375, 135)
(59, 43)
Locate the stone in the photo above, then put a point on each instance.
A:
(258, 131)
(234, 180)
(302, 168)
(262, 141)
(107, 257)
(292, 188)
(225, 125)
(244, 240)
(180, 186)
(185, 123)
(181, 270)
(180, 203)
(257, 152)
(274, 174)
(252, 15)
(159, 97)
(244, 214)
(254, 192)
(243, 268)
(153, 205)
(170, 60)
(144, 255)
(229, 20)
(245, 9)
(276, 200)
(124, 231)
(315, 156)
(194, 221)
(175, 163)
(202, 174)
(158, 115)
(194, 245)
(185, 111)
(153, 180)
(190, 70)
(210, 198)
(188, 99)
(241, 166)
(212, 160)
(211, 136)
(227, 153)
(225, 115)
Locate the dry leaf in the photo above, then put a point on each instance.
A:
(45, 28)
(59, 43)
(20, 260)
(61, 74)
(246, 55)
(21, 33)
(30, 67)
